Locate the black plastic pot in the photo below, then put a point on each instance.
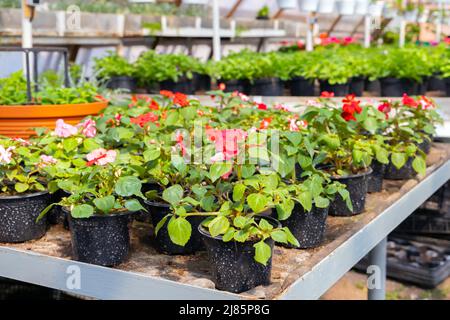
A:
(272, 87)
(357, 186)
(183, 85)
(233, 266)
(404, 173)
(373, 86)
(339, 90)
(447, 87)
(391, 87)
(435, 83)
(18, 216)
(242, 86)
(422, 87)
(124, 83)
(202, 82)
(57, 215)
(162, 241)
(307, 227)
(357, 86)
(101, 240)
(410, 87)
(375, 180)
(301, 87)
(425, 145)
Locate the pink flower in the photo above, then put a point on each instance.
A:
(281, 107)
(227, 141)
(293, 125)
(5, 154)
(89, 129)
(101, 157)
(64, 130)
(426, 103)
(244, 97)
(46, 160)
(23, 142)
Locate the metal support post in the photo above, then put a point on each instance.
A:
(377, 263)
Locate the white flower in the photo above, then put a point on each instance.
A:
(6, 155)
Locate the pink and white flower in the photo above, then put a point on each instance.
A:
(5, 154)
(47, 160)
(89, 128)
(65, 130)
(101, 157)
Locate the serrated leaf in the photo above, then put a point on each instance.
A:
(173, 194)
(105, 204)
(263, 252)
(419, 165)
(257, 202)
(218, 226)
(134, 205)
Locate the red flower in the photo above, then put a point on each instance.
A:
(351, 105)
(180, 143)
(181, 99)
(101, 98)
(409, 102)
(326, 94)
(154, 105)
(222, 86)
(348, 116)
(167, 94)
(426, 102)
(262, 106)
(385, 107)
(265, 123)
(143, 119)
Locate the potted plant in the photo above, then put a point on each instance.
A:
(333, 73)
(103, 198)
(302, 81)
(23, 191)
(116, 72)
(263, 13)
(18, 116)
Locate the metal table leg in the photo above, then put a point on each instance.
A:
(376, 281)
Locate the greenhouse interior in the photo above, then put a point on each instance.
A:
(245, 150)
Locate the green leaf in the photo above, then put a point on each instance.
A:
(218, 226)
(173, 194)
(370, 124)
(179, 230)
(305, 199)
(45, 211)
(284, 209)
(398, 159)
(134, 205)
(321, 202)
(161, 223)
(294, 137)
(238, 192)
(279, 236)
(419, 165)
(219, 169)
(207, 203)
(70, 144)
(229, 235)
(248, 171)
(21, 187)
(257, 202)
(90, 144)
(105, 204)
(240, 222)
(290, 237)
(241, 235)
(82, 211)
(345, 195)
(263, 252)
(382, 156)
(151, 154)
(128, 186)
(264, 225)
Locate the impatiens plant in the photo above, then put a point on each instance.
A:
(113, 65)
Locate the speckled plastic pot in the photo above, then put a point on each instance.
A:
(233, 266)
(375, 180)
(18, 216)
(425, 145)
(307, 227)
(101, 240)
(357, 187)
(404, 173)
(57, 215)
(162, 241)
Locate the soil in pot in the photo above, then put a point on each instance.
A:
(237, 85)
(123, 83)
(339, 90)
(357, 86)
(272, 87)
(233, 266)
(18, 216)
(101, 240)
(404, 173)
(307, 227)
(391, 87)
(162, 241)
(357, 186)
(301, 87)
(375, 180)
(183, 85)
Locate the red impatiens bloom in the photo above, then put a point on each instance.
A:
(348, 116)
(426, 103)
(222, 86)
(167, 94)
(143, 119)
(181, 99)
(265, 123)
(350, 107)
(154, 105)
(385, 107)
(226, 142)
(409, 102)
(326, 94)
(262, 106)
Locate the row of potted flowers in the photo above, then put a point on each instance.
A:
(232, 179)
(342, 69)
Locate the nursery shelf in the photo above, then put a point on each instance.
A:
(297, 274)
